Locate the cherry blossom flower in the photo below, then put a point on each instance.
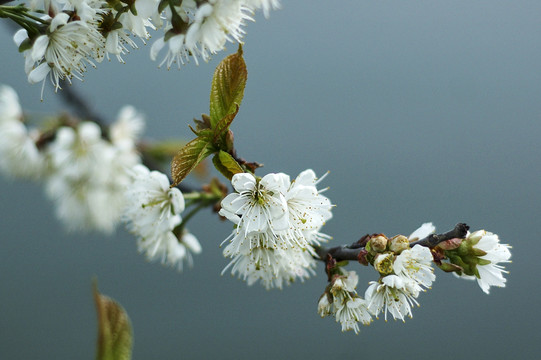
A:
(393, 294)
(19, 156)
(489, 272)
(416, 265)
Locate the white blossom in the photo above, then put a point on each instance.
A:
(416, 265)
(87, 174)
(273, 267)
(266, 5)
(152, 207)
(152, 213)
(65, 50)
(347, 307)
(177, 51)
(86, 9)
(10, 108)
(308, 209)
(351, 312)
(118, 42)
(393, 294)
(170, 250)
(209, 26)
(324, 307)
(258, 207)
(276, 221)
(215, 23)
(140, 23)
(491, 273)
(127, 128)
(19, 156)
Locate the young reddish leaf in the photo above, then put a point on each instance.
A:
(188, 157)
(227, 86)
(114, 329)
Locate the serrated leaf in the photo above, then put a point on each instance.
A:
(222, 127)
(114, 329)
(226, 164)
(228, 86)
(188, 157)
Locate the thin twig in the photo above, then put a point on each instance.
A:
(351, 252)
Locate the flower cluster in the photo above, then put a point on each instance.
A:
(404, 265)
(84, 172)
(77, 33)
(152, 213)
(19, 155)
(277, 223)
(97, 179)
(404, 273)
(341, 300)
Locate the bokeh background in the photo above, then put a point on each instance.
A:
(421, 110)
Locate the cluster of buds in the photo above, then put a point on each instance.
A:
(381, 251)
(476, 257)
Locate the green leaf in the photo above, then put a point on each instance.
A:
(227, 86)
(188, 157)
(114, 329)
(221, 128)
(226, 164)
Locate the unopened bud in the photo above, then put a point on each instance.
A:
(384, 263)
(474, 238)
(362, 257)
(448, 267)
(229, 140)
(378, 243)
(398, 244)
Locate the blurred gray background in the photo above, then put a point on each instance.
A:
(421, 110)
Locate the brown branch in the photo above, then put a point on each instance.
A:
(351, 252)
(432, 240)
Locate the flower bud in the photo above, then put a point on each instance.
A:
(384, 263)
(474, 238)
(448, 267)
(398, 244)
(362, 257)
(378, 243)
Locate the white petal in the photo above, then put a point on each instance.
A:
(59, 20)
(20, 36)
(39, 47)
(39, 73)
(243, 182)
(422, 232)
(155, 48)
(191, 242)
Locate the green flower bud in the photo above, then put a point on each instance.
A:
(448, 267)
